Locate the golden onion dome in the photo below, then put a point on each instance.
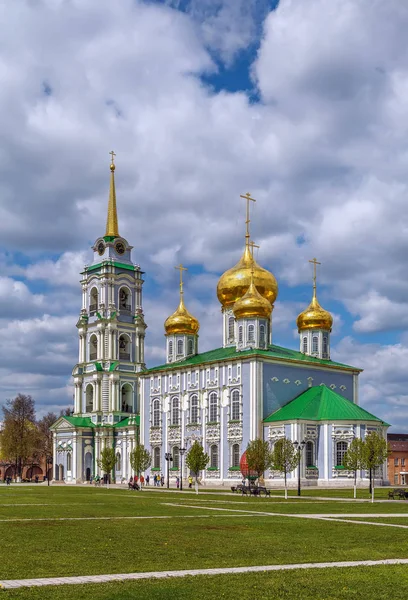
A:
(234, 283)
(181, 321)
(314, 317)
(252, 304)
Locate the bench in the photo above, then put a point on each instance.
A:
(253, 490)
(399, 493)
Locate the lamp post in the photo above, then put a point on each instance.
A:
(299, 448)
(169, 458)
(48, 461)
(182, 452)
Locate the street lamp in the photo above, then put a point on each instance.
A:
(299, 448)
(182, 452)
(169, 458)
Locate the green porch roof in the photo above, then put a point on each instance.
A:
(87, 422)
(129, 422)
(320, 403)
(80, 421)
(273, 351)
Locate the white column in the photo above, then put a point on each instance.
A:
(111, 403)
(124, 456)
(96, 453)
(54, 453)
(109, 344)
(74, 456)
(326, 450)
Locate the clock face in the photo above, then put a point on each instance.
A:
(120, 247)
(101, 248)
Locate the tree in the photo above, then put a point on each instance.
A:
(197, 460)
(19, 437)
(353, 459)
(375, 453)
(66, 412)
(45, 438)
(284, 458)
(107, 461)
(140, 459)
(258, 456)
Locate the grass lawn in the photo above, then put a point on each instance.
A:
(66, 530)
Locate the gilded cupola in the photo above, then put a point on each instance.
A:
(181, 321)
(314, 317)
(252, 304)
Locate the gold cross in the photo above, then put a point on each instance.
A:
(253, 245)
(181, 269)
(314, 262)
(248, 199)
(113, 157)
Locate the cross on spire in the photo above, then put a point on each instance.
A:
(181, 269)
(112, 157)
(314, 262)
(248, 199)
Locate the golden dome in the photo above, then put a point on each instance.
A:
(252, 304)
(181, 321)
(314, 317)
(234, 283)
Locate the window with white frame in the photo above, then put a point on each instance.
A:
(251, 333)
(190, 346)
(325, 346)
(235, 455)
(214, 456)
(262, 335)
(341, 449)
(156, 457)
(194, 409)
(305, 345)
(231, 328)
(156, 413)
(118, 461)
(240, 334)
(213, 408)
(235, 406)
(176, 457)
(180, 346)
(69, 461)
(315, 344)
(170, 348)
(175, 411)
(310, 461)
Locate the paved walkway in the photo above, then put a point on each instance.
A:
(18, 583)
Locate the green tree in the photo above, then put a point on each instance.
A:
(375, 453)
(140, 459)
(284, 458)
(19, 437)
(197, 460)
(258, 456)
(353, 459)
(107, 461)
(45, 445)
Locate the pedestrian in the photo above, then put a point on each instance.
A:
(142, 480)
(162, 480)
(177, 482)
(155, 480)
(147, 479)
(190, 482)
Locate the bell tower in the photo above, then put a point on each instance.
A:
(111, 326)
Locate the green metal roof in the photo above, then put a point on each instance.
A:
(273, 351)
(129, 421)
(80, 421)
(320, 403)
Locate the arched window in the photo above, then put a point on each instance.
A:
(251, 333)
(170, 348)
(235, 455)
(310, 460)
(231, 328)
(156, 457)
(305, 345)
(240, 334)
(325, 346)
(124, 301)
(93, 347)
(156, 413)
(194, 409)
(213, 411)
(124, 347)
(179, 346)
(118, 461)
(235, 407)
(190, 347)
(315, 344)
(89, 398)
(93, 301)
(262, 335)
(175, 411)
(176, 457)
(341, 449)
(69, 461)
(214, 456)
(127, 398)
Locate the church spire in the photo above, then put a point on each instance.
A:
(112, 229)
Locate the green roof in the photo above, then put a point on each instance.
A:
(80, 421)
(87, 422)
(320, 403)
(129, 421)
(273, 351)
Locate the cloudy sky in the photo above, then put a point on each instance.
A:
(304, 104)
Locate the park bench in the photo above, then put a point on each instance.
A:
(398, 493)
(133, 486)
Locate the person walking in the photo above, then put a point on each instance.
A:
(177, 482)
(190, 482)
(147, 479)
(155, 480)
(162, 480)
(142, 481)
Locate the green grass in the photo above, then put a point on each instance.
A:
(101, 542)
(357, 583)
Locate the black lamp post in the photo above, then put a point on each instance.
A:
(169, 458)
(48, 461)
(182, 452)
(299, 448)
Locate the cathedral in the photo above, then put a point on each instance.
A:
(247, 388)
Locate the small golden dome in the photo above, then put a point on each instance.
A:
(181, 321)
(252, 304)
(234, 283)
(314, 317)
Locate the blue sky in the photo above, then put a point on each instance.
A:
(302, 104)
